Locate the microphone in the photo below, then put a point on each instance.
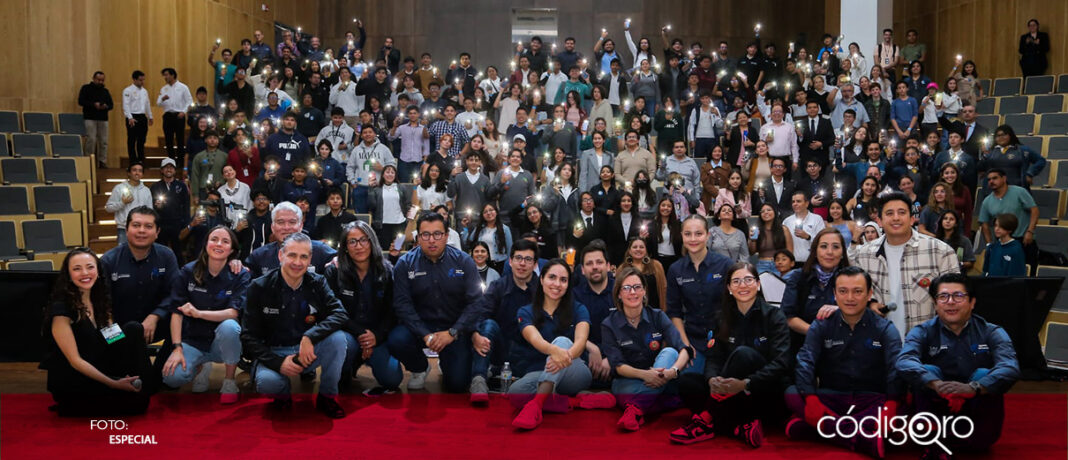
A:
(888, 308)
(136, 384)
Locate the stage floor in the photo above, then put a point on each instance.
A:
(430, 425)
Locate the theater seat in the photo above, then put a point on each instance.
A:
(19, 171)
(1015, 104)
(43, 236)
(1052, 238)
(986, 106)
(1038, 84)
(31, 265)
(9, 248)
(1042, 179)
(1062, 83)
(1056, 147)
(60, 170)
(1050, 202)
(1058, 173)
(66, 145)
(1053, 123)
(1021, 123)
(14, 201)
(1061, 303)
(52, 199)
(9, 122)
(72, 123)
(1050, 103)
(38, 122)
(1036, 143)
(29, 145)
(1006, 87)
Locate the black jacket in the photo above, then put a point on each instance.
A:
(735, 146)
(266, 321)
(372, 88)
(614, 235)
(782, 204)
(90, 93)
(378, 317)
(824, 133)
(764, 330)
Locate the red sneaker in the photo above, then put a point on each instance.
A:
(696, 431)
(632, 418)
(752, 433)
(529, 417)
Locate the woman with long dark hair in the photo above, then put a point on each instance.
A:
(747, 367)
(667, 233)
(363, 281)
(949, 231)
(813, 288)
(1019, 161)
(491, 231)
(622, 226)
(480, 253)
(725, 238)
(768, 238)
(533, 220)
(562, 197)
(431, 190)
(548, 356)
(204, 303)
(637, 256)
(95, 367)
(963, 200)
(389, 203)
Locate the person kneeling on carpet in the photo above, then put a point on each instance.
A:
(549, 355)
(204, 304)
(959, 365)
(852, 355)
(497, 330)
(363, 280)
(747, 364)
(435, 292)
(292, 323)
(644, 349)
(95, 368)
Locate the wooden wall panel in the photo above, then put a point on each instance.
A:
(986, 31)
(73, 38)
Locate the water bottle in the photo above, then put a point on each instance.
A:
(506, 377)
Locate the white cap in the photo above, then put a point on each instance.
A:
(519, 137)
(166, 162)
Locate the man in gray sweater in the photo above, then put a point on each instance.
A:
(512, 186)
(562, 134)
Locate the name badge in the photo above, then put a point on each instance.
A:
(112, 333)
(289, 157)
(245, 171)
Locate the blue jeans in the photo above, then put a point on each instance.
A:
(226, 349)
(455, 359)
(766, 266)
(702, 146)
(697, 361)
(330, 354)
(568, 381)
(405, 169)
(358, 199)
(499, 346)
(386, 369)
(634, 391)
(987, 412)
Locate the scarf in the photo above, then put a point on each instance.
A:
(824, 277)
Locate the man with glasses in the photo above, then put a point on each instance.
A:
(497, 329)
(960, 365)
(974, 135)
(777, 190)
(435, 291)
(286, 219)
(781, 138)
(632, 159)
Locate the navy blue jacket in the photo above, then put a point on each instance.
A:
(138, 288)
(523, 355)
(226, 290)
(369, 303)
(599, 305)
(500, 302)
(290, 149)
(637, 347)
(979, 345)
(861, 359)
(803, 296)
(695, 296)
(265, 258)
(310, 189)
(174, 210)
(278, 316)
(435, 296)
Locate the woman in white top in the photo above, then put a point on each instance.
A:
(491, 85)
(550, 168)
(414, 96)
(494, 234)
(876, 76)
(388, 206)
(601, 107)
(592, 161)
(430, 192)
(343, 94)
(858, 64)
(735, 196)
(725, 239)
(495, 143)
(951, 101)
(644, 50)
(507, 106)
(235, 196)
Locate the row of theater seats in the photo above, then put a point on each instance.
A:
(47, 189)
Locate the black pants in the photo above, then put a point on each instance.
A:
(174, 136)
(135, 138)
(387, 233)
(168, 236)
(738, 409)
(79, 396)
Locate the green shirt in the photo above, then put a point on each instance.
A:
(1017, 201)
(913, 52)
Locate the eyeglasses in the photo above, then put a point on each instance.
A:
(632, 288)
(957, 297)
(778, 166)
(524, 259)
(744, 281)
(362, 241)
(426, 236)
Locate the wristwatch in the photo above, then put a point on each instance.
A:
(746, 386)
(975, 386)
(453, 332)
(676, 371)
(177, 345)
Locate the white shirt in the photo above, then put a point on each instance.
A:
(135, 102)
(552, 85)
(812, 223)
(470, 117)
(625, 218)
(238, 196)
(178, 97)
(894, 255)
(665, 248)
(613, 90)
(346, 98)
(391, 205)
(778, 187)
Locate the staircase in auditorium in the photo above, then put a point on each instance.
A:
(102, 229)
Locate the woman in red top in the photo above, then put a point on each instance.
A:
(245, 158)
(963, 200)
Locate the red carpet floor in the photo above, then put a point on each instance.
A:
(429, 426)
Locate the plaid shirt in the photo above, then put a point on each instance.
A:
(924, 259)
(459, 136)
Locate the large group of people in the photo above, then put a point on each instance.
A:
(596, 225)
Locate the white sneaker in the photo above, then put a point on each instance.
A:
(229, 391)
(417, 381)
(203, 378)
